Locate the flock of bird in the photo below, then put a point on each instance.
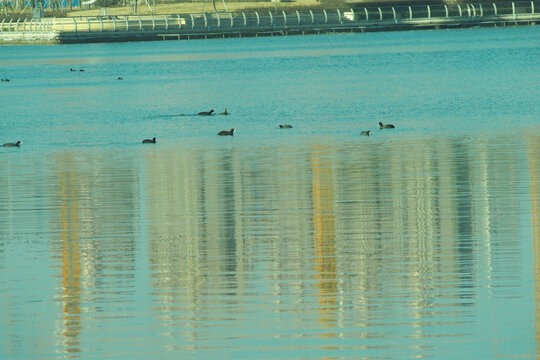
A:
(226, 132)
(285, 126)
(206, 113)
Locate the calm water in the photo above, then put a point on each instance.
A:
(306, 243)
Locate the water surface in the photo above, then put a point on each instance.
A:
(311, 242)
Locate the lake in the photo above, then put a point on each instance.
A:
(312, 242)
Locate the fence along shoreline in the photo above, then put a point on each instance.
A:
(239, 24)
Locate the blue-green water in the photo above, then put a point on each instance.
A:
(305, 243)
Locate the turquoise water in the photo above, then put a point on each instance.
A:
(312, 242)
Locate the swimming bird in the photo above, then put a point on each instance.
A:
(206, 112)
(12, 144)
(366, 133)
(285, 126)
(385, 126)
(226, 133)
(70, 69)
(149, 141)
(119, 78)
(224, 112)
(5, 80)
(81, 69)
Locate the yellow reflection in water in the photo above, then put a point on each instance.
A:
(70, 263)
(533, 154)
(324, 238)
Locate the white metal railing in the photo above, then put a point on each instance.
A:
(211, 21)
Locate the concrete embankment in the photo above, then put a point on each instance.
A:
(211, 25)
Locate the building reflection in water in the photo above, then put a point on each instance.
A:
(95, 199)
(324, 237)
(533, 154)
(401, 229)
(333, 242)
(195, 232)
(71, 270)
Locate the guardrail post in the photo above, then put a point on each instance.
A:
(284, 18)
(75, 23)
(367, 14)
(325, 16)
(271, 19)
(88, 21)
(17, 25)
(179, 21)
(312, 17)
(410, 13)
(205, 20)
(166, 22)
(380, 14)
(218, 20)
(473, 10)
(394, 12)
(192, 21)
(428, 12)
(353, 17)
(460, 11)
(140, 23)
(245, 20)
(298, 16)
(338, 15)
(446, 10)
(495, 8)
(514, 9)
(153, 22)
(127, 23)
(101, 24)
(481, 10)
(113, 24)
(532, 7)
(232, 20)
